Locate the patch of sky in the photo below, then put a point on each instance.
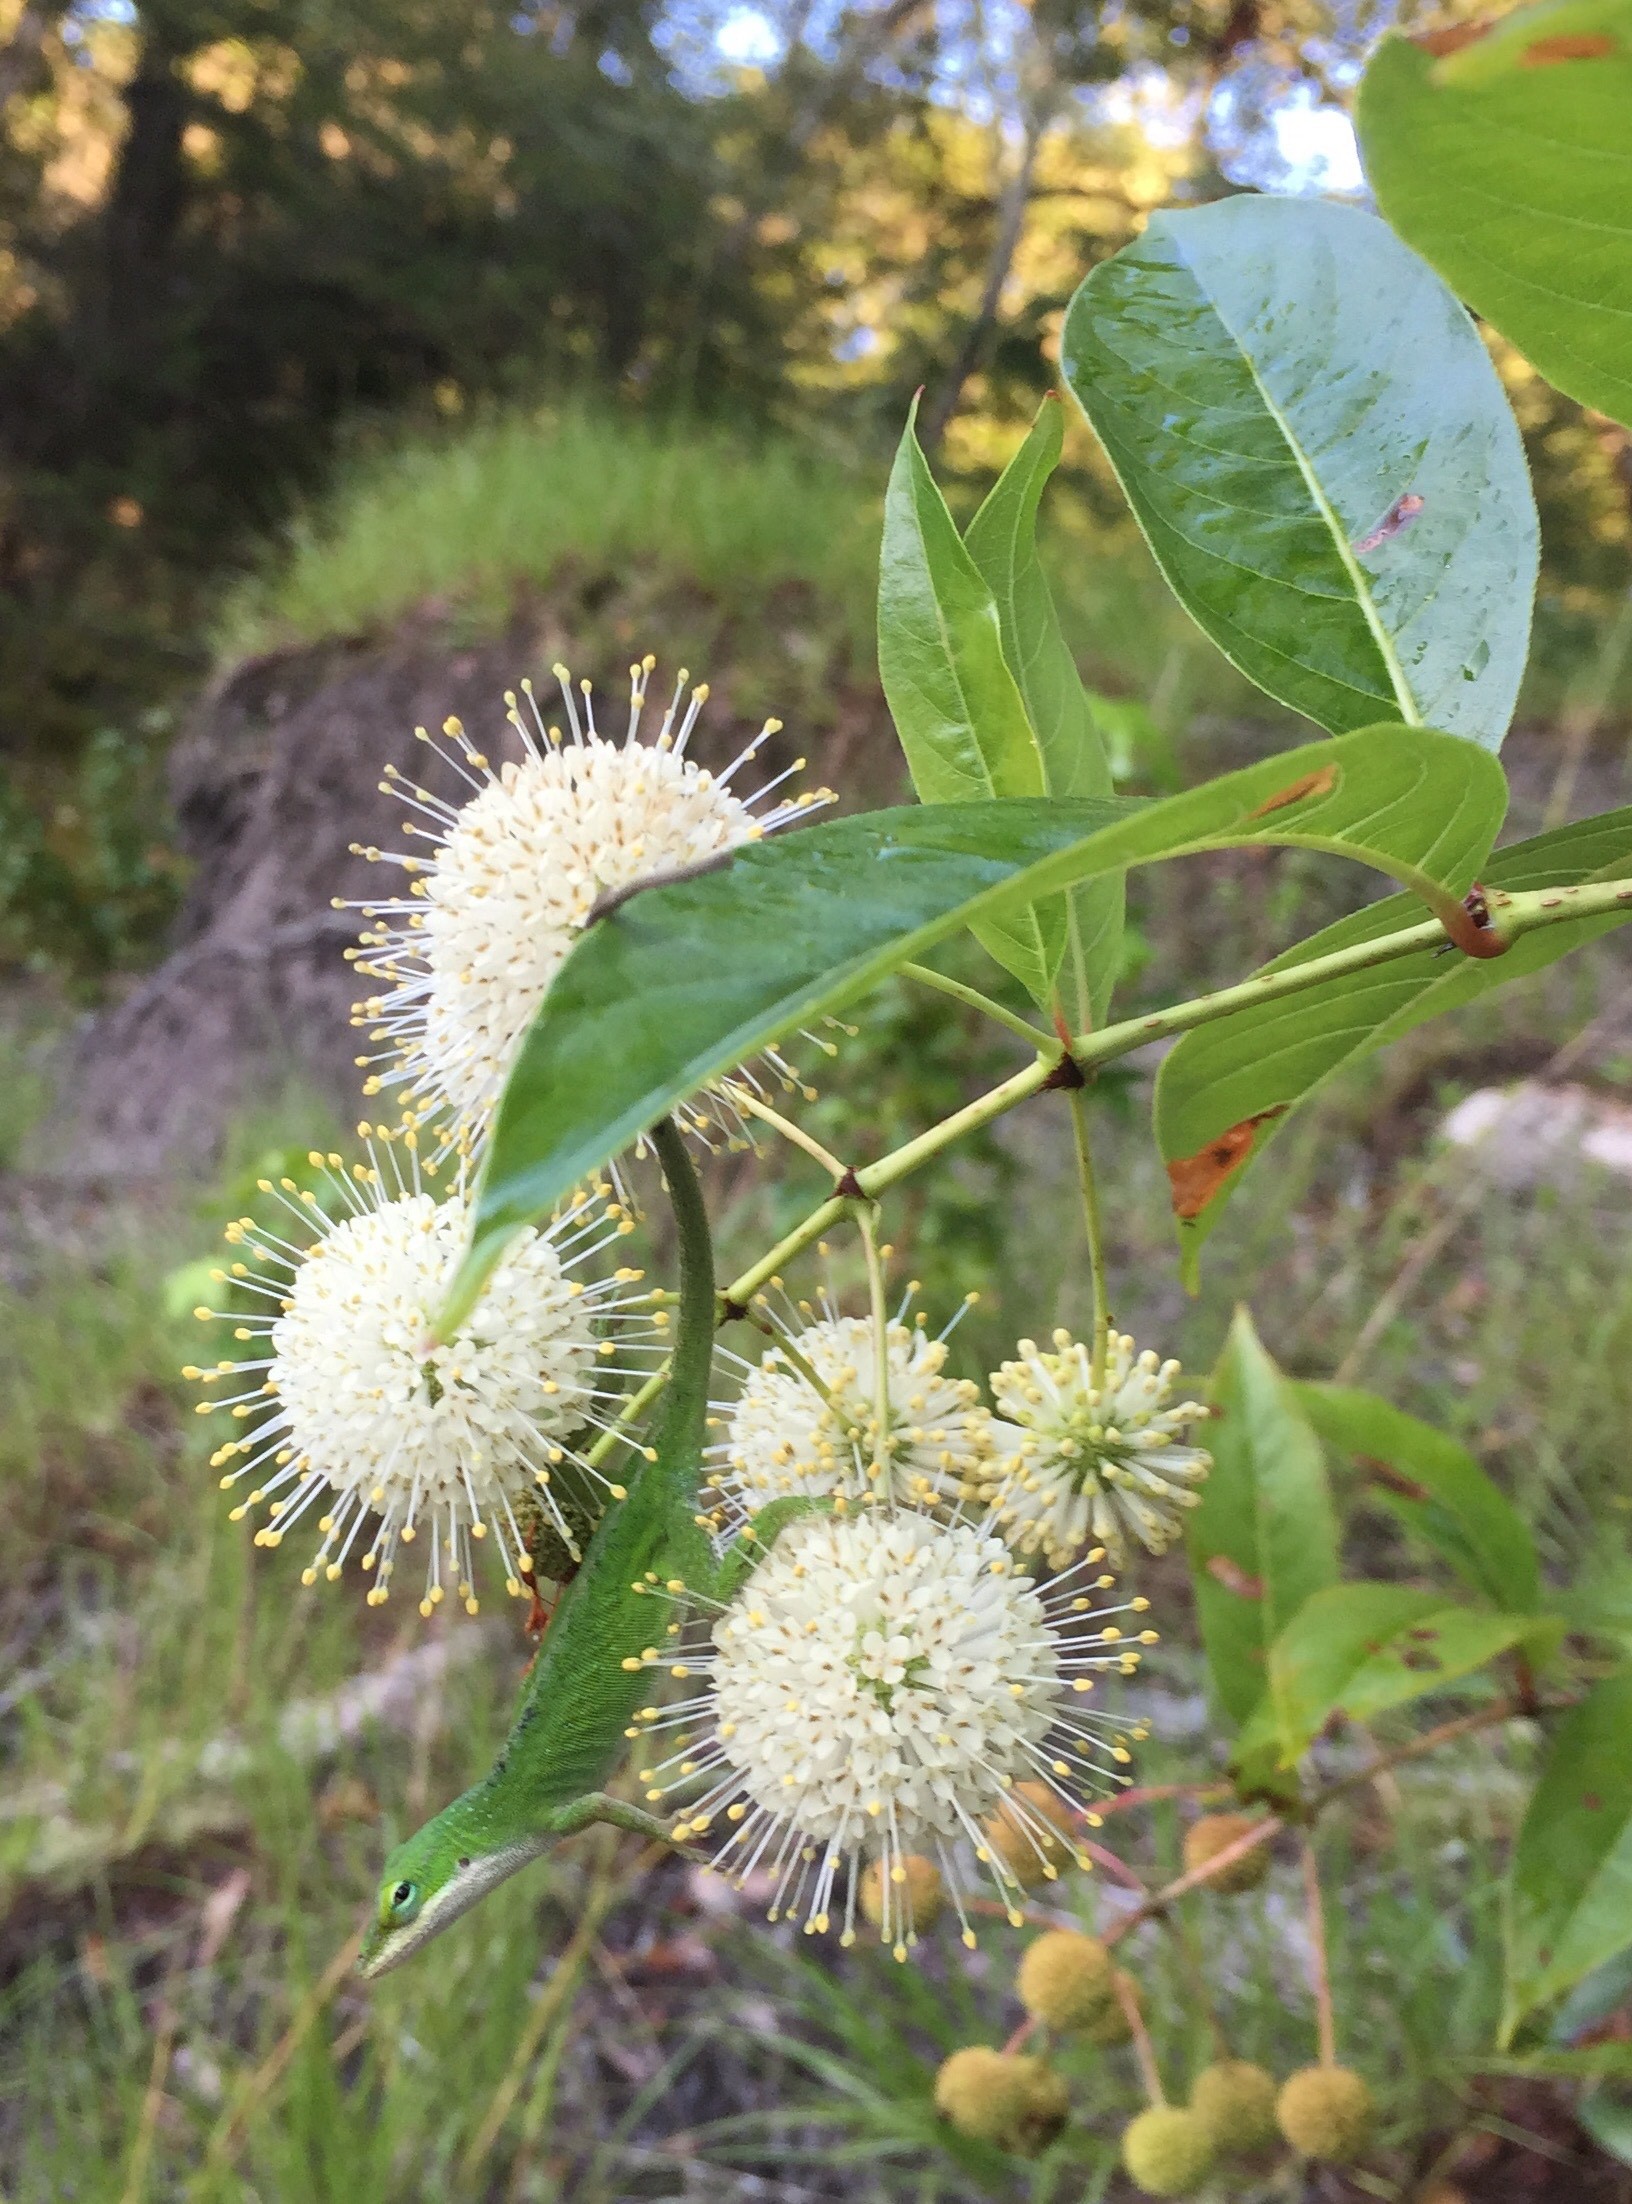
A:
(1270, 125)
(749, 39)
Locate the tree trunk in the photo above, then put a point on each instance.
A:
(148, 193)
(1011, 221)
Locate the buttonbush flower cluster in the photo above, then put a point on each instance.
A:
(349, 1408)
(903, 1686)
(1065, 1461)
(888, 1685)
(507, 880)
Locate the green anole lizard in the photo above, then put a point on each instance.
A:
(588, 1679)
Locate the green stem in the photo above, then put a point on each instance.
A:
(631, 1412)
(1096, 1236)
(1512, 916)
(881, 1354)
(975, 1000)
(741, 1099)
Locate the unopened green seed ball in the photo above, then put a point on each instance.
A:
(1325, 2112)
(1167, 2151)
(1065, 1979)
(1045, 2110)
(1215, 1833)
(1028, 1852)
(1235, 2103)
(919, 1896)
(1002, 2097)
(981, 2091)
(1109, 2025)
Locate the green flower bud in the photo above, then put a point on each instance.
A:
(1215, 1833)
(1065, 1980)
(1325, 2112)
(1001, 2097)
(1167, 2151)
(1235, 2103)
(1035, 1849)
(982, 2092)
(919, 1896)
(1109, 2025)
(1047, 2107)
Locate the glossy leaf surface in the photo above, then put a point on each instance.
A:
(1359, 1649)
(1320, 453)
(1002, 541)
(1508, 164)
(956, 705)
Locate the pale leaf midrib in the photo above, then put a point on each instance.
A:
(1409, 709)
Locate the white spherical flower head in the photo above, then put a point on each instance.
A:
(358, 1409)
(786, 1436)
(880, 1687)
(1075, 1463)
(515, 871)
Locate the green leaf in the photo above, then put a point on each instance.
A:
(1606, 2114)
(1569, 1889)
(681, 983)
(1319, 451)
(1509, 166)
(1435, 1488)
(1586, 2062)
(1359, 1649)
(1264, 1538)
(956, 706)
(1234, 1081)
(1002, 541)
(1599, 1603)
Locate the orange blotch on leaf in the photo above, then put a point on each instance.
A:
(1320, 783)
(1196, 1180)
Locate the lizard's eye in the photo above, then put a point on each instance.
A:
(403, 1901)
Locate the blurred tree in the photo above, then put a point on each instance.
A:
(272, 212)
(229, 227)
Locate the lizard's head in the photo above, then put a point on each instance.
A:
(439, 1873)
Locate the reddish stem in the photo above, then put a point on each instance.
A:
(1320, 1974)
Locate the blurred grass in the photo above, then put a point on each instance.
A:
(715, 529)
(467, 516)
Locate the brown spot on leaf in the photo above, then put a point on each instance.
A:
(1395, 1480)
(1592, 1802)
(1197, 1179)
(1320, 783)
(1234, 1578)
(1452, 41)
(1419, 1660)
(1583, 46)
(1400, 515)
